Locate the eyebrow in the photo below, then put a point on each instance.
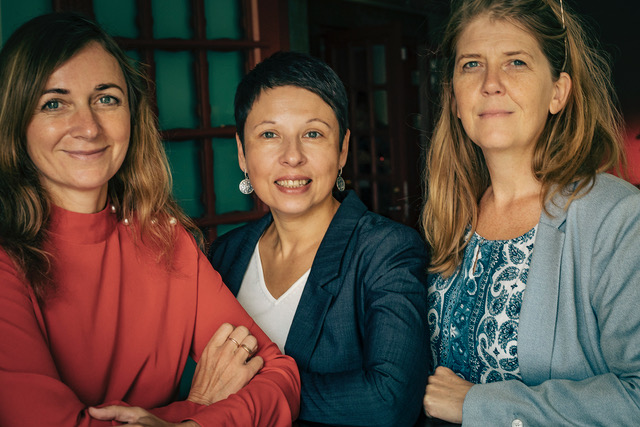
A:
(315, 119)
(508, 53)
(101, 86)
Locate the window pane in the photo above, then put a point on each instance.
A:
(225, 71)
(118, 17)
(175, 90)
(224, 19)
(185, 167)
(171, 19)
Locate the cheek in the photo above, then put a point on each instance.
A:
(39, 136)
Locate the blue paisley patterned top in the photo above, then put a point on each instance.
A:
(473, 314)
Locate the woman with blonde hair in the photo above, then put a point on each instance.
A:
(534, 248)
(104, 291)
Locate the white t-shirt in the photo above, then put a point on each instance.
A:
(274, 316)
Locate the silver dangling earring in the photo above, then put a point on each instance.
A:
(340, 181)
(245, 185)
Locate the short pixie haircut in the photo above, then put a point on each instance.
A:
(292, 69)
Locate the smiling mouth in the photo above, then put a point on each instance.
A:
(86, 153)
(293, 183)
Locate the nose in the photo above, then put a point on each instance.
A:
(292, 153)
(492, 83)
(85, 123)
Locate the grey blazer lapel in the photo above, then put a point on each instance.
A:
(536, 331)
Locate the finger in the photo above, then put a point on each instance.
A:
(119, 413)
(250, 346)
(254, 365)
(236, 337)
(443, 370)
(221, 335)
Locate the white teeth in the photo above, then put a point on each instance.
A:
(293, 183)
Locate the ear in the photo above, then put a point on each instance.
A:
(242, 162)
(344, 152)
(561, 91)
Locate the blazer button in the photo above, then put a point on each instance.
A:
(517, 423)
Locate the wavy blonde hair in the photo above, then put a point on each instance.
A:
(140, 188)
(577, 143)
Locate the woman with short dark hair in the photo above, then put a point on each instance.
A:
(338, 288)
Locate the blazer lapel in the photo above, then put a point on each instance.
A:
(324, 282)
(536, 330)
(247, 246)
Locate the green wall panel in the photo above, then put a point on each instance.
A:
(118, 17)
(171, 19)
(15, 13)
(175, 90)
(227, 16)
(225, 71)
(185, 167)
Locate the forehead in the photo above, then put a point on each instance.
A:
(485, 33)
(290, 99)
(92, 65)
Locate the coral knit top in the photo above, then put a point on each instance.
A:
(119, 330)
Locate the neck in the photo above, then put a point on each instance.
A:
(81, 202)
(289, 235)
(511, 177)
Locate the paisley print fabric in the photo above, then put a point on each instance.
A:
(474, 313)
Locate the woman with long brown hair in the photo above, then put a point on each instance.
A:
(104, 291)
(535, 249)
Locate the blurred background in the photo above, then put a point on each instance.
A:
(384, 50)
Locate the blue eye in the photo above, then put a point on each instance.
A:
(471, 64)
(268, 135)
(108, 99)
(51, 105)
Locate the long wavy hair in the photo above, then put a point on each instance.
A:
(141, 188)
(584, 138)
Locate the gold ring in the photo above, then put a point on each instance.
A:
(234, 341)
(247, 349)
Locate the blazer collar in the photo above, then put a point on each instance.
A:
(322, 286)
(247, 246)
(536, 331)
(330, 256)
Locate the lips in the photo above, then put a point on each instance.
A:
(293, 183)
(494, 113)
(85, 154)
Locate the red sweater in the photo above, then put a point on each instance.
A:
(119, 331)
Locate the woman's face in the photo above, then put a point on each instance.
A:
(503, 88)
(79, 133)
(292, 150)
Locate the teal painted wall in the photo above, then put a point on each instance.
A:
(175, 87)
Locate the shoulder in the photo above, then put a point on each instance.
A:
(227, 246)
(608, 196)
(372, 229)
(596, 201)
(608, 189)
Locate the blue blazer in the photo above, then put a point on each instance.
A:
(360, 334)
(579, 331)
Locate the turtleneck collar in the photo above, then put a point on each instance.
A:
(82, 228)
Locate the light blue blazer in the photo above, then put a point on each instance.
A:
(579, 331)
